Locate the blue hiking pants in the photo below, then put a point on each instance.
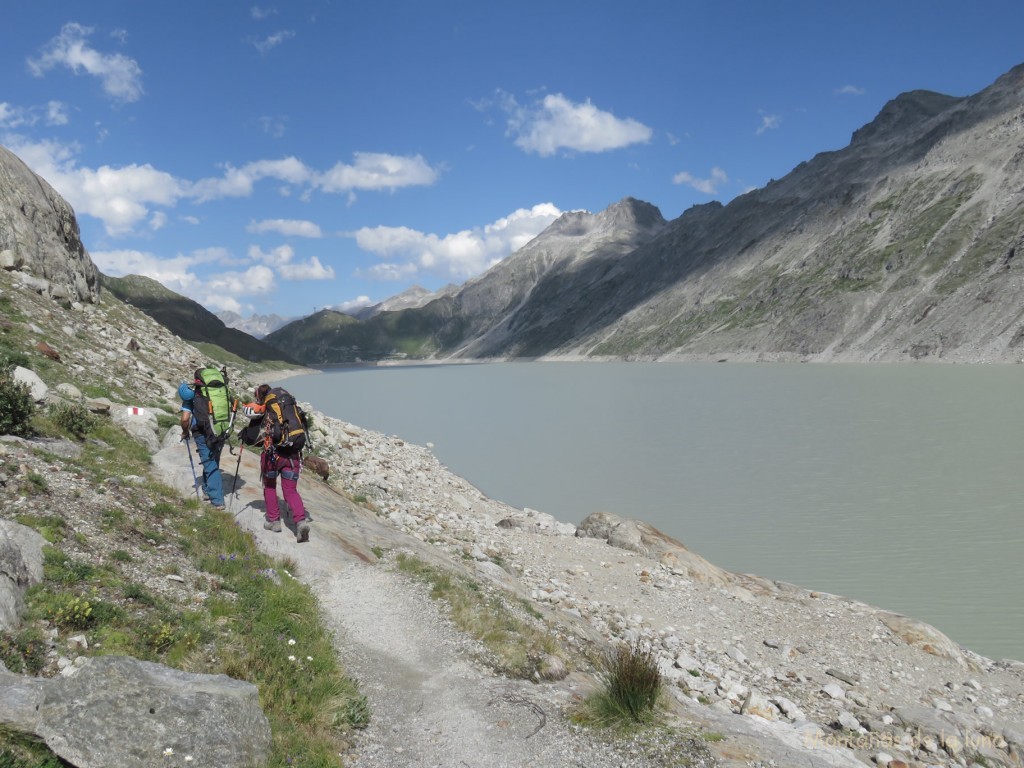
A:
(213, 486)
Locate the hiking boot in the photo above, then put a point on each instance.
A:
(302, 531)
(272, 525)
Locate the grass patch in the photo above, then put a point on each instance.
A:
(517, 646)
(629, 698)
(257, 623)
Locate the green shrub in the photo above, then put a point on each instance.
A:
(73, 418)
(16, 406)
(632, 680)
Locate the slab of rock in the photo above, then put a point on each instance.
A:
(21, 566)
(119, 712)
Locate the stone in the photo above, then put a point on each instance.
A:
(833, 691)
(37, 388)
(118, 712)
(21, 566)
(924, 636)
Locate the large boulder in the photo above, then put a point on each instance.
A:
(119, 712)
(139, 423)
(643, 538)
(39, 235)
(21, 566)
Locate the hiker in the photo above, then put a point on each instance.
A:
(208, 445)
(276, 417)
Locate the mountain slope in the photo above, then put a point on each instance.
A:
(187, 319)
(900, 246)
(473, 319)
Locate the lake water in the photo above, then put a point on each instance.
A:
(899, 485)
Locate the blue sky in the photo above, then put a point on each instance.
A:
(283, 157)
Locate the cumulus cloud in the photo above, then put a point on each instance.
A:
(768, 122)
(121, 76)
(123, 198)
(239, 182)
(283, 254)
(353, 304)
(557, 123)
(286, 227)
(708, 186)
(850, 90)
(454, 256)
(177, 273)
(311, 270)
(373, 170)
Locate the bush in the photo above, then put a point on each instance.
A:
(632, 680)
(73, 418)
(16, 406)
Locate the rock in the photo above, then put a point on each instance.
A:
(848, 721)
(758, 704)
(139, 423)
(552, 668)
(41, 235)
(118, 712)
(924, 636)
(69, 391)
(834, 691)
(21, 566)
(645, 539)
(29, 378)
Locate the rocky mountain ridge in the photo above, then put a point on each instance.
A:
(900, 246)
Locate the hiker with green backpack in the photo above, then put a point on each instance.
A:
(207, 415)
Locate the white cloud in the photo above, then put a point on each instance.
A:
(121, 76)
(558, 123)
(286, 227)
(709, 186)
(311, 270)
(260, 13)
(850, 90)
(158, 221)
(283, 254)
(768, 122)
(274, 40)
(123, 197)
(239, 182)
(455, 256)
(56, 113)
(373, 170)
(353, 304)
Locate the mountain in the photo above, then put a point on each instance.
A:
(256, 326)
(473, 319)
(900, 246)
(410, 298)
(187, 319)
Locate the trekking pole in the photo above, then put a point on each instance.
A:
(238, 464)
(195, 478)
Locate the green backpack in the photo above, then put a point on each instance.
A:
(212, 410)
